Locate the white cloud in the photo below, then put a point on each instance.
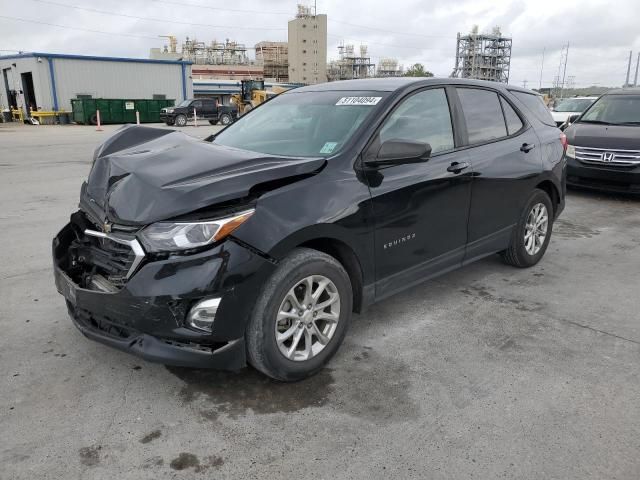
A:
(600, 32)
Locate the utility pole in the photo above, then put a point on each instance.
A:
(635, 79)
(564, 73)
(524, 83)
(542, 67)
(626, 83)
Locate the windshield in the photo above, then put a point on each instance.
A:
(305, 124)
(184, 103)
(614, 110)
(577, 105)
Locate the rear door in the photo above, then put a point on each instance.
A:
(420, 209)
(505, 157)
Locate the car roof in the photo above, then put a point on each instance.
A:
(624, 91)
(392, 84)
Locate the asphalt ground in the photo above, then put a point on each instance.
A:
(486, 372)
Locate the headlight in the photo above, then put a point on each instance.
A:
(168, 236)
(169, 110)
(571, 151)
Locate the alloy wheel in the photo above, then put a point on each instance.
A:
(307, 318)
(535, 230)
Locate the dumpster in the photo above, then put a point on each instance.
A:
(116, 110)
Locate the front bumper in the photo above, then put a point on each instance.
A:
(613, 179)
(146, 317)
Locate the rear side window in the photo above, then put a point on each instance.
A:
(514, 124)
(483, 115)
(536, 106)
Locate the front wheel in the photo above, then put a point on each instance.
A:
(531, 236)
(301, 316)
(181, 120)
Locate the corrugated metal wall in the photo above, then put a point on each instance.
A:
(40, 74)
(118, 79)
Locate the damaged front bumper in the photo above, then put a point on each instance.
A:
(144, 311)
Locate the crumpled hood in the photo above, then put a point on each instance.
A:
(141, 175)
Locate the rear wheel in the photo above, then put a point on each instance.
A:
(181, 120)
(225, 119)
(301, 316)
(531, 236)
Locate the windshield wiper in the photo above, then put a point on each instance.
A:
(599, 122)
(628, 123)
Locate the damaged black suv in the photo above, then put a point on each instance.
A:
(257, 244)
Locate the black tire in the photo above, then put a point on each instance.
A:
(213, 122)
(93, 119)
(180, 120)
(225, 119)
(262, 349)
(517, 255)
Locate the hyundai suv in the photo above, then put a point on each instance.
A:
(257, 244)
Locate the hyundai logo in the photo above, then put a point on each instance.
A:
(608, 156)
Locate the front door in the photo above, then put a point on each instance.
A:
(420, 209)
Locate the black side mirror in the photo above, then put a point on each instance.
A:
(398, 152)
(572, 118)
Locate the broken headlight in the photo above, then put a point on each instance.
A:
(169, 236)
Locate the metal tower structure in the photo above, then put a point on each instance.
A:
(483, 56)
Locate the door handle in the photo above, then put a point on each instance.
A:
(527, 147)
(457, 167)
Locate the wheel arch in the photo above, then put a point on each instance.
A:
(550, 189)
(334, 241)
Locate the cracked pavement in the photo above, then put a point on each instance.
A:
(486, 372)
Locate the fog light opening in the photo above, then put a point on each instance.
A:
(202, 314)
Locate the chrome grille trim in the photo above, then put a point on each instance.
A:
(133, 244)
(597, 156)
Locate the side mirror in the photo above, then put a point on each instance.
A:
(572, 118)
(398, 152)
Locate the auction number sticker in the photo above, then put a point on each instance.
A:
(329, 147)
(359, 101)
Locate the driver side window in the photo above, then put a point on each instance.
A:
(423, 117)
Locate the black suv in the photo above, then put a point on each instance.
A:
(258, 243)
(204, 108)
(604, 144)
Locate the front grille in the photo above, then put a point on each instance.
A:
(114, 256)
(608, 157)
(101, 323)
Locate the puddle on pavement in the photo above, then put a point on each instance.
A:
(364, 384)
(235, 393)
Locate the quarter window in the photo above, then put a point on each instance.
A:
(514, 124)
(423, 117)
(536, 106)
(483, 115)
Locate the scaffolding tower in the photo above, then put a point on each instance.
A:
(274, 59)
(216, 53)
(483, 56)
(388, 67)
(350, 65)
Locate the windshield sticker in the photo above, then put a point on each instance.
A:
(329, 147)
(359, 101)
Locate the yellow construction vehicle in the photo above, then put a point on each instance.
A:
(252, 93)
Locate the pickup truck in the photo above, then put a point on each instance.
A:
(205, 109)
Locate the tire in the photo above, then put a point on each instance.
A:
(93, 119)
(180, 120)
(247, 108)
(263, 350)
(524, 253)
(213, 122)
(225, 119)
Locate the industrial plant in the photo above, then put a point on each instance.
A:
(483, 56)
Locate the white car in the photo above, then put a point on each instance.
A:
(570, 106)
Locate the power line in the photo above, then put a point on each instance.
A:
(131, 35)
(151, 19)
